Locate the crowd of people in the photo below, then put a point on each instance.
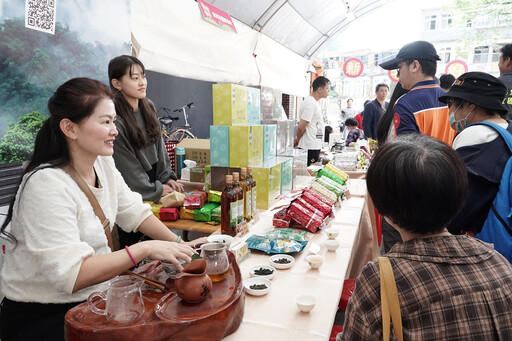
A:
(434, 178)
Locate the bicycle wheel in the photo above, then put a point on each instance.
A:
(180, 134)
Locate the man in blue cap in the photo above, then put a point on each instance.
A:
(419, 110)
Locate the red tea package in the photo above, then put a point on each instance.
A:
(281, 219)
(310, 207)
(169, 214)
(308, 219)
(195, 200)
(317, 201)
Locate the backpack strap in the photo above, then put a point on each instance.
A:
(507, 135)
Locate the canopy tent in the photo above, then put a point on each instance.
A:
(273, 45)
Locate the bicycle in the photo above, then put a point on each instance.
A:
(175, 134)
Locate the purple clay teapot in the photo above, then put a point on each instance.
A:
(193, 285)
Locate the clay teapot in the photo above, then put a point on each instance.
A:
(193, 285)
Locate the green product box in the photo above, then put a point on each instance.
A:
(269, 141)
(219, 146)
(229, 104)
(245, 145)
(253, 106)
(286, 174)
(268, 183)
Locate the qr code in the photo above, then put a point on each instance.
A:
(40, 15)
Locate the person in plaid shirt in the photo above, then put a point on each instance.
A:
(450, 287)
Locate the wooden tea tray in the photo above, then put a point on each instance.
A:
(166, 317)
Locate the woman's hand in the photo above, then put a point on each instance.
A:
(169, 251)
(166, 190)
(175, 185)
(196, 242)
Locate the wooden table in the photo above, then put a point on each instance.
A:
(275, 315)
(191, 225)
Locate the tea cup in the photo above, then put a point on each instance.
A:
(305, 302)
(332, 233)
(315, 261)
(123, 300)
(332, 244)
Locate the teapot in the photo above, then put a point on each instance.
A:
(193, 284)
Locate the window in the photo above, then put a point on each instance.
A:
(430, 23)
(445, 54)
(376, 59)
(496, 54)
(481, 54)
(446, 21)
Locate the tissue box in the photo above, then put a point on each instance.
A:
(169, 214)
(268, 183)
(229, 104)
(219, 146)
(245, 145)
(253, 106)
(269, 141)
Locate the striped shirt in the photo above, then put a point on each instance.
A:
(449, 287)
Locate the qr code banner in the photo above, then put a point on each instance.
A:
(40, 15)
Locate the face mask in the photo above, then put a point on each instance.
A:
(459, 125)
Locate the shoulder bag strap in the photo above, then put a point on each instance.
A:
(389, 301)
(94, 202)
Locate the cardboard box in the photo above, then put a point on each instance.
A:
(219, 146)
(269, 141)
(253, 106)
(197, 174)
(218, 177)
(245, 145)
(229, 104)
(268, 183)
(197, 150)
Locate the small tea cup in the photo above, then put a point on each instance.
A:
(305, 302)
(315, 261)
(332, 233)
(332, 244)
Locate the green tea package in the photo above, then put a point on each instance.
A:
(331, 185)
(279, 241)
(205, 213)
(214, 196)
(330, 175)
(216, 214)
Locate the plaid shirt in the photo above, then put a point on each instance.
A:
(449, 287)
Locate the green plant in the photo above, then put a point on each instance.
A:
(18, 143)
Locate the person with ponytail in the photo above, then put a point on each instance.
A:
(57, 251)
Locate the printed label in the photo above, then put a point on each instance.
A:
(233, 213)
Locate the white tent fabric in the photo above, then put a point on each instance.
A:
(272, 46)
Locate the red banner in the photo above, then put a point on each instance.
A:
(215, 16)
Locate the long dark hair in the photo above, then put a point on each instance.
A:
(117, 68)
(387, 117)
(74, 100)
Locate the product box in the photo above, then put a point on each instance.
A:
(229, 104)
(245, 145)
(286, 174)
(285, 134)
(269, 141)
(197, 174)
(300, 176)
(219, 146)
(271, 103)
(197, 150)
(268, 183)
(289, 130)
(253, 106)
(218, 177)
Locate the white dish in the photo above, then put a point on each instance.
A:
(315, 261)
(267, 267)
(332, 233)
(274, 258)
(257, 281)
(220, 238)
(305, 303)
(332, 244)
